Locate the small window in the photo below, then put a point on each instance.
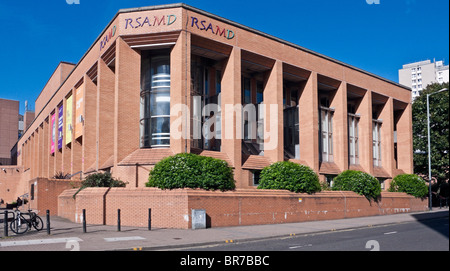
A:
(256, 177)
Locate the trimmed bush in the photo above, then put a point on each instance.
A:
(359, 182)
(187, 170)
(290, 176)
(410, 184)
(100, 180)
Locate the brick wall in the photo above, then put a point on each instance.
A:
(46, 192)
(172, 209)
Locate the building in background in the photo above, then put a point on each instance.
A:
(419, 75)
(9, 128)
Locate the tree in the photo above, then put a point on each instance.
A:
(439, 131)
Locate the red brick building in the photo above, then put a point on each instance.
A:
(9, 129)
(137, 96)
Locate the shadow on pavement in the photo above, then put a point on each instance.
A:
(435, 221)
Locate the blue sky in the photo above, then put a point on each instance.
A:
(379, 38)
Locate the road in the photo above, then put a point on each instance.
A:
(429, 235)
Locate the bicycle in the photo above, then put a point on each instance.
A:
(20, 224)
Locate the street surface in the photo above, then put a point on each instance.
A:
(430, 235)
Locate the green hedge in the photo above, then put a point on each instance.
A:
(290, 176)
(410, 184)
(187, 170)
(358, 182)
(100, 180)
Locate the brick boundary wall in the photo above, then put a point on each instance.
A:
(46, 192)
(172, 209)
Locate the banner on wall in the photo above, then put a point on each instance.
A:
(69, 126)
(60, 126)
(53, 134)
(79, 111)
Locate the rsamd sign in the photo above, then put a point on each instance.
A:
(218, 30)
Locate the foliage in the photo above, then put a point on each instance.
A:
(61, 176)
(410, 184)
(187, 170)
(100, 180)
(358, 182)
(439, 132)
(290, 176)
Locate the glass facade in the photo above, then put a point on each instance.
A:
(155, 99)
(376, 144)
(353, 138)
(205, 92)
(291, 124)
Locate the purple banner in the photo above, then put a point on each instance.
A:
(60, 127)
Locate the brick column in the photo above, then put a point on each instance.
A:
(76, 160)
(273, 100)
(89, 148)
(309, 123)
(340, 127)
(66, 149)
(232, 119)
(127, 100)
(365, 132)
(104, 114)
(387, 136)
(51, 158)
(180, 82)
(45, 148)
(405, 141)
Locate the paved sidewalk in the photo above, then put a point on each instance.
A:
(66, 235)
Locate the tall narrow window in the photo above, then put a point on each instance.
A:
(376, 135)
(155, 99)
(291, 124)
(260, 115)
(353, 138)
(205, 91)
(326, 134)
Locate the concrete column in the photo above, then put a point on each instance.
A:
(127, 101)
(340, 127)
(104, 114)
(232, 119)
(180, 83)
(273, 100)
(309, 123)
